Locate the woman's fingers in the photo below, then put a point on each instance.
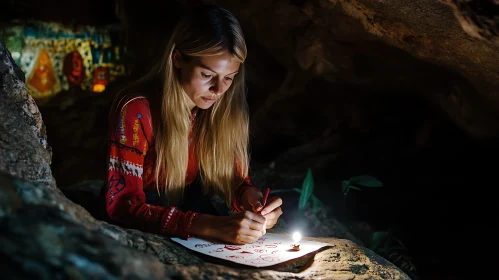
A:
(250, 232)
(254, 221)
(245, 239)
(274, 203)
(257, 207)
(251, 200)
(272, 217)
(254, 217)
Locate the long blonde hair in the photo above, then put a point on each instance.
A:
(220, 132)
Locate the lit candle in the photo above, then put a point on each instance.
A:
(296, 239)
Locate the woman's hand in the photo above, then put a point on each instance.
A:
(252, 200)
(240, 228)
(272, 211)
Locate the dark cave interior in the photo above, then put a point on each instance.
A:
(438, 178)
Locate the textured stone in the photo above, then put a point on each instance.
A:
(21, 153)
(400, 46)
(50, 236)
(479, 18)
(24, 151)
(14, 88)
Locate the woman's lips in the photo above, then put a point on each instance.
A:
(208, 100)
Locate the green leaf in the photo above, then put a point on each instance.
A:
(366, 181)
(306, 190)
(355, 188)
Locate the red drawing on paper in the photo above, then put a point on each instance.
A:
(261, 240)
(273, 250)
(232, 247)
(218, 250)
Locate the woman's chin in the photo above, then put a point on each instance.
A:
(204, 105)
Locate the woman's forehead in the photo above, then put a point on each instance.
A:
(222, 64)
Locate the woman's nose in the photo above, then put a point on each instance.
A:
(216, 88)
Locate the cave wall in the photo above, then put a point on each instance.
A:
(358, 43)
(403, 90)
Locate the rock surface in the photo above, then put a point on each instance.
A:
(22, 127)
(47, 236)
(410, 48)
(478, 18)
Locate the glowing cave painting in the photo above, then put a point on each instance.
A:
(269, 250)
(43, 78)
(55, 57)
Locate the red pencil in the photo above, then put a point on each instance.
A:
(266, 196)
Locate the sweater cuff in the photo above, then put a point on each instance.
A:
(185, 224)
(192, 216)
(170, 221)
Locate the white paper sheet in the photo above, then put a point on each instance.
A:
(269, 250)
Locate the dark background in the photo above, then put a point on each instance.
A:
(439, 182)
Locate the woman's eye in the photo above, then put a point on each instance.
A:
(205, 76)
(228, 79)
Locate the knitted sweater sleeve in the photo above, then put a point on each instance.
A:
(129, 140)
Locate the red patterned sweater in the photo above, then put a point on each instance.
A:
(130, 172)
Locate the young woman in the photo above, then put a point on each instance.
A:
(179, 136)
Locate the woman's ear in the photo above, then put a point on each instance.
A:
(176, 58)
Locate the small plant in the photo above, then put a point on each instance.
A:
(306, 194)
(363, 180)
(306, 191)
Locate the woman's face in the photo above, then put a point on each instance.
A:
(206, 78)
